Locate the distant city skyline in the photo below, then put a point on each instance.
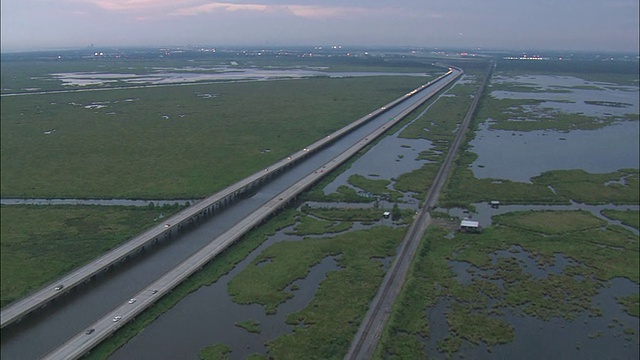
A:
(571, 25)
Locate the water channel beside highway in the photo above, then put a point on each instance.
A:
(208, 315)
(75, 312)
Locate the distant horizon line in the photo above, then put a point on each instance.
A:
(316, 46)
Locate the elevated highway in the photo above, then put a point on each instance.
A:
(105, 326)
(206, 207)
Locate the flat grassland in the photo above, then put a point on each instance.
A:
(172, 142)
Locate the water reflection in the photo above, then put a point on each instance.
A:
(587, 336)
(214, 73)
(389, 158)
(519, 156)
(573, 95)
(208, 316)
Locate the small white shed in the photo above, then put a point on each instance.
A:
(469, 225)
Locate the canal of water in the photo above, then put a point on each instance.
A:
(207, 316)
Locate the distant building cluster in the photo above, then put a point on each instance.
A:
(525, 57)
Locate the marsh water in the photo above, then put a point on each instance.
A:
(518, 156)
(208, 316)
(393, 156)
(184, 75)
(585, 337)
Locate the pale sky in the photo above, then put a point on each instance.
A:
(574, 25)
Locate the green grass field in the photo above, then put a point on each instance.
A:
(40, 243)
(172, 142)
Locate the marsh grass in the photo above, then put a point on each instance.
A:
(251, 326)
(312, 226)
(169, 142)
(287, 262)
(627, 217)
(596, 252)
(532, 115)
(327, 325)
(417, 181)
(476, 327)
(378, 187)
(618, 187)
(474, 315)
(631, 304)
(41, 243)
(607, 72)
(215, 352)
(463, 188)
(438, 124)
(343, 214)
(554, 222)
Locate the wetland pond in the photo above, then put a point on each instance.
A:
(210, 316)
(159, 76)
(518, 155)
(610, 335)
